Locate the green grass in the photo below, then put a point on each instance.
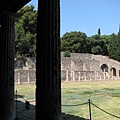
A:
(26, 91)
(104, 94)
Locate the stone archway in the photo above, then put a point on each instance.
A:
(113, 70)
(104, 69)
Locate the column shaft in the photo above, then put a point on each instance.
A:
(48, 81)
(6, 67)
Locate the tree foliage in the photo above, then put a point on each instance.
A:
(25, 31)
(79, 42)
(74, 42)
(114, 47)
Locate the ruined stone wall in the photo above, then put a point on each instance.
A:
(79, 66)
(25, 76)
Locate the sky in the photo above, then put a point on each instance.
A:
(88, 16)
(35, 3)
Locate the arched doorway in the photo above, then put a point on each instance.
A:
(104, 69)
(113, 70)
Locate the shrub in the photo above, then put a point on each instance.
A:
(66, 54)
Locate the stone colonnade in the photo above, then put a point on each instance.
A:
(73, 75)
(24, 76)
(29, 76)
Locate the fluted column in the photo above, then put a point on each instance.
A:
(48, 81)
(6, 66)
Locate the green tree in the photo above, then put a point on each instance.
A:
(96, 50)
(99, 45)
(99, 33)
(106, 39)
(114, 47)
(74, 42)
(25, 31)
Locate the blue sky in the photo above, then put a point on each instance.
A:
(89, 15)
(34, 2)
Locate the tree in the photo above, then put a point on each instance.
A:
(114, 47)
(96, 50)
(25, 31)
(74, 42)
(99, 33)
(106, 39)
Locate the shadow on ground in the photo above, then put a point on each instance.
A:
(22, 113)
(71, 117)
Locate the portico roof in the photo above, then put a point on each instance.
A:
(12, 5)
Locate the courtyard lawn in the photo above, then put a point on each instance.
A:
(25, 91)
(104, 94)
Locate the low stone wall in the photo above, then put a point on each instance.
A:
(25, 76)
(29, 76)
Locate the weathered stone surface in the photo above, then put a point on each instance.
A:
(89, 65)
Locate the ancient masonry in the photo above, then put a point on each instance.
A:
(77, 67)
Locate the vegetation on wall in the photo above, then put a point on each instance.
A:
(66, 54)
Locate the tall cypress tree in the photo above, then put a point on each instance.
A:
(99, 33)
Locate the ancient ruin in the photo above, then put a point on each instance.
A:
(81, 66)
(77, 67)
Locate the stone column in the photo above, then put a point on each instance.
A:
(79, 76)
(112, 73)
(19, 78)
(28, 77)
(67, 75)
(95, 75)
(6, 66)
(118, 74)
(104, 75)
(73, 75)
(85, 76)
(48, 81)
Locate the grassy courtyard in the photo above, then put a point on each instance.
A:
(104, 94)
